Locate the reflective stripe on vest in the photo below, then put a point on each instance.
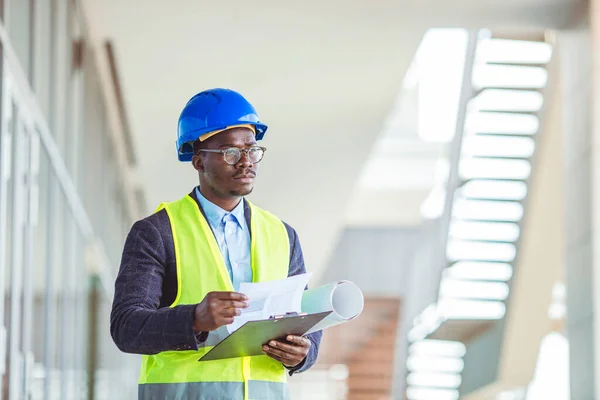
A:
(200, 270)
(213, 390)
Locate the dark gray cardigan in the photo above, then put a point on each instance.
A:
(141, 320)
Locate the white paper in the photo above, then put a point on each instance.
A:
(344, 299)
(266, 299)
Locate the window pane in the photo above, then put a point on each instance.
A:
(43, 47)
(62, 69)
(39, 276)
(20, 28)
(11, 142)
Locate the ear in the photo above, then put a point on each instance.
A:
(198, 162)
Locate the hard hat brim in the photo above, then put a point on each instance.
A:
(184, 156)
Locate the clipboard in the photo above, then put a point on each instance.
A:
(249, 339)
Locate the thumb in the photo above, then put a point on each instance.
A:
(300, 340)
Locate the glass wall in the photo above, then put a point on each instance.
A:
(64, 212)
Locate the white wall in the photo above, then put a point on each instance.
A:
(574, 50)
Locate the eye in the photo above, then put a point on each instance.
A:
(231, 152)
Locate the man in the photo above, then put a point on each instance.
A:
(181, 267)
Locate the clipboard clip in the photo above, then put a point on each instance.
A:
(288, 315)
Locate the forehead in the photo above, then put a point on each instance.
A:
(239, 136)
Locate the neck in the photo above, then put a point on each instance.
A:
(226, 203)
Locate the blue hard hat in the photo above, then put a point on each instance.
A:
(213, 110)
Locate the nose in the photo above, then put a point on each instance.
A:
(244, 161)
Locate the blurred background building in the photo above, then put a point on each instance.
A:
(440, 154)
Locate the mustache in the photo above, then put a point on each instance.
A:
(245, 173)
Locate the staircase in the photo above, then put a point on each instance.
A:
(371, 366)
(502, 122)
(355, 359)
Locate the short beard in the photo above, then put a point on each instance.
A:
(238, 193)
(229, 193)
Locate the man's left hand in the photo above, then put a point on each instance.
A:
(289, 354)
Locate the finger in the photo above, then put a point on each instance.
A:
(288, 348)
(300, 340)
(287, 363)
(277, 352)
(229, 312)
(224, 321)
(279, 355)
(230, 296)
(275, 357)
(289, 359)
(233, 304)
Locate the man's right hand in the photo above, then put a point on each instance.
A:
(218, 309)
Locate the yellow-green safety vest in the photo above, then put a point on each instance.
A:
(200, 270)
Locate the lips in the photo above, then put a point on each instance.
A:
(247, 174)
(249, 177)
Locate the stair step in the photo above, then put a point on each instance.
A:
(491, 199)
(491, 262)
(514, 64)
(500, 157)
(369, 395)
(532, 36)
(369, 369)
(508, 89)
(498, 111)
(384, 335)
(523, 89)
(377, 355)
(528, 135)
(377, 345)
(492, 221)
(474, 241)
(483, 178)
(371, 383)
(378, 324)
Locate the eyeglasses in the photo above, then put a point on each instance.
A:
(232, 155)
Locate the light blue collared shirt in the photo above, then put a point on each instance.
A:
(233, 238)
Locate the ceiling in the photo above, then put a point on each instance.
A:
(322, 75)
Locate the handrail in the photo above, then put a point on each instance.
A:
(453, 183)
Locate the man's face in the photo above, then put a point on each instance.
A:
(223, 179)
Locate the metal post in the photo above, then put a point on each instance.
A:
(30, 245)
(5, 160)
(93, 327)
(15, 265)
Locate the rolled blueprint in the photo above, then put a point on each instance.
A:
(343, 298)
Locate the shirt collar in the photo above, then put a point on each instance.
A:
(215, 214)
